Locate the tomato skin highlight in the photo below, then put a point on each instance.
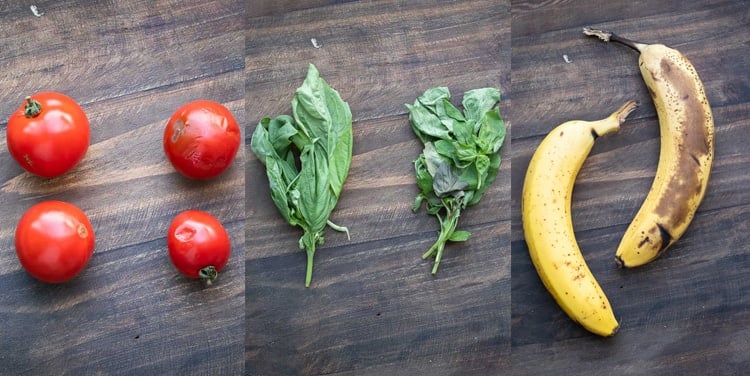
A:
(54, 241)
(53, 141)
(197, 240)
(201, 139)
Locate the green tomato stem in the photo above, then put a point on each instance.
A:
(208, 275)
(32, 108)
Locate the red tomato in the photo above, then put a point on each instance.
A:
(201, 139)
(54, 241)
(49, 134)
(198, 245)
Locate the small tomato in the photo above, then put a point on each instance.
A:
(198, 245)
(201, 139)
(54, 241)
(48, 135)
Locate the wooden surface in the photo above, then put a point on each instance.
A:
(373, 307)
(130, 65)
(687, 313)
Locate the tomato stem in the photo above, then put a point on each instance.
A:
(32, 108)
(208, 274)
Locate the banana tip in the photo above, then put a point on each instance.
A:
(615, 330)
(619, 262)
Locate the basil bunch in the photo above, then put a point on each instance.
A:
(320, 132)
(460, 158)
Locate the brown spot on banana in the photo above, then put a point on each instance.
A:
(687, 144)
(685, 157)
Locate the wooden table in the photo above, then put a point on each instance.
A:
(130, 65)
(373, 307)
(687, 313)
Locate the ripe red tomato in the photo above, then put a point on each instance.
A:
(198, 245)
(201, 139)
(49, 134)
(54, 241)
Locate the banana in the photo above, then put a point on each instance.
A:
(686, 153)
(548, 226)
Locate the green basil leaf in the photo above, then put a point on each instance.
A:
(260, 144)
(445, 179)
(482, 165)
(279, 188)
(465, 154)
(460, 236)
(313, 186)
(431, 97)
(478, 102)
(327, 120)
(445, 148)
(425, 124)
(492, 170)
(280, 131)
(424, 179)
(491, 132)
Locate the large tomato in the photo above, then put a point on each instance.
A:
(201, 139)
(49, 134)
(198, 245)
(54, 241)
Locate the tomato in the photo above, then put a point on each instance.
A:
(201, 139)
(54, 241)
(198, 245)
(49, 134)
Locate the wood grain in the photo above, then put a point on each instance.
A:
(129, 65)
(373, 307)
(687, 312)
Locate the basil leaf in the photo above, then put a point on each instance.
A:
(460, 236)
(491, 133)
(424, 178)
(426, 125)
(445, 180)
(320, 132)
(478, 102)
(432, 97)
(313, 186)
(491, 174)
(326, 116)
(459, 158)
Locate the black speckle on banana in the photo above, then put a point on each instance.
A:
(548, 226)
(686, 154)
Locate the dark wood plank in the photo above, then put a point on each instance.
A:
(687, 312)
(129, 65)
(373, 307)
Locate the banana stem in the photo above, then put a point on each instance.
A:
(622, 113)
(608, 36)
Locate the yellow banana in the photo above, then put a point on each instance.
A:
(685, 157)
(548, 226)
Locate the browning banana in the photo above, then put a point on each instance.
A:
(685, 157)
